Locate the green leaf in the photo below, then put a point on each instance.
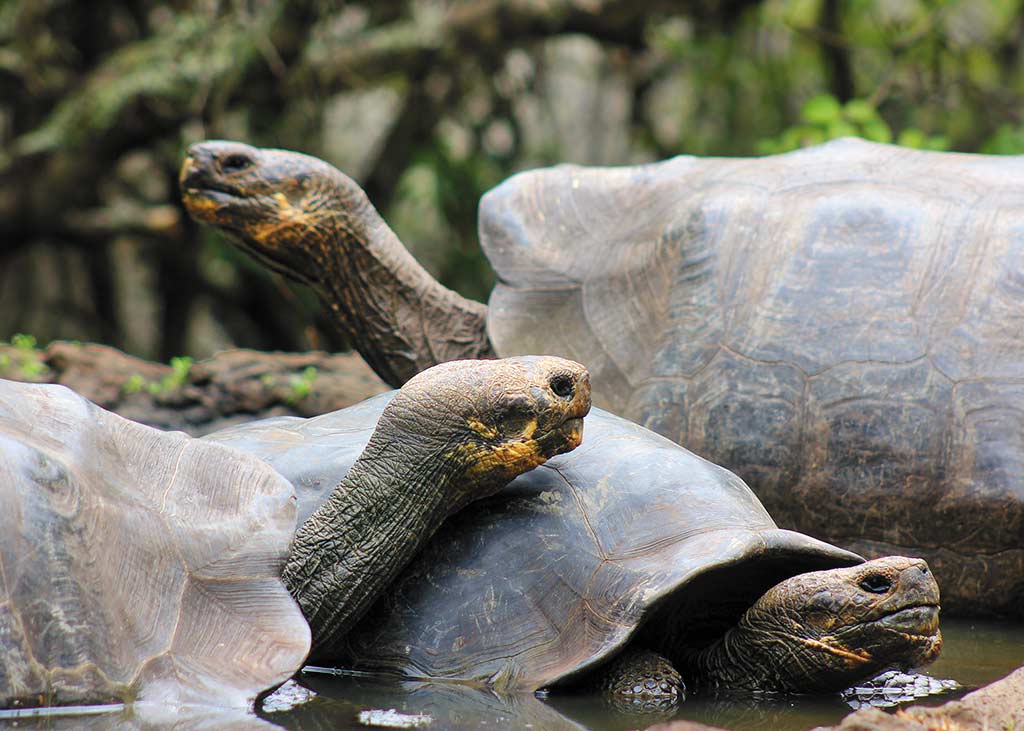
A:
(23, 341)
(912, 137)
(859, 111)
(877, 131)
(821, 110)
(1007, 140)
(839, 128)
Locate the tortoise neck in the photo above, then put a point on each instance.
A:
(400, 319)
(729, 663)
(389, 504)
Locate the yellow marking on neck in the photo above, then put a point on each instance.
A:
(287, 210)
(853, 657)
(520, 456)
(487, 432)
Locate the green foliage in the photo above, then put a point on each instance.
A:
(913, 137)
(1008, 139)
(178, 377)
(181, 366)
(134, 384)
(823, 118)
(26, 362)
(301, 385)
(175, 67)
(22, 341)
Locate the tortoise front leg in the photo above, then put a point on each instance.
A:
(640, 680)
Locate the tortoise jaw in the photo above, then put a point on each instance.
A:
(919, 621)
(204, 196)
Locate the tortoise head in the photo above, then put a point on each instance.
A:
(825, 630)
(282, 207)
(488, 421)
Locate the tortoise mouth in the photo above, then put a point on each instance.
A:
(198, 182)
(219, 193)
(919, 620)
(215, 193)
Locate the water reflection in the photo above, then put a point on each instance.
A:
(143, 718)
(975, 653)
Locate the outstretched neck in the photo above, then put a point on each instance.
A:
(400, 319)
(356, 543)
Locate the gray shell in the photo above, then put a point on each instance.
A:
(560, 569)
(136, 564)
(843, 326)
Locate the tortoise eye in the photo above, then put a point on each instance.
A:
(876, 583)
(236, 162)
(562, 386)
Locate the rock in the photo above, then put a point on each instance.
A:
(997, 706)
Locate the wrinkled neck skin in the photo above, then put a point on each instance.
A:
(400, 319)
(390, 503)
(764, 654)
(730, 664)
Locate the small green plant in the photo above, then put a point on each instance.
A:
(301, 384)
(32, 368)
(268, 381)
(134, 384)
(178, 377)
(27, 360)
(22, 341)
(823, 118)
(180, 367)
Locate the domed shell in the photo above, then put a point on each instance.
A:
(843, 326)
(560, 569)
(137, 565)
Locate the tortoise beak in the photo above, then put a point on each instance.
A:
(196, 169)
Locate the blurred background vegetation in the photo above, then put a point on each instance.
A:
(428, 103)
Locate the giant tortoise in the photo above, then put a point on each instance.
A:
(138, 565)
(843, 326)
(628, 556)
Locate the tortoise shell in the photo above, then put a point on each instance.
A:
(135, 564)
(564, 566)
(843, 326)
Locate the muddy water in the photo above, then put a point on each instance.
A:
(975, 653)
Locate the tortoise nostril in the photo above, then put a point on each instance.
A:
(876, 583)
(235, 162)
(563, 386)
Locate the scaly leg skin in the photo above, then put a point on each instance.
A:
(641, 681)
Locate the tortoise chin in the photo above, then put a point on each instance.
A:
(917, 628)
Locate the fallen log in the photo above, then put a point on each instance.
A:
(231, 387)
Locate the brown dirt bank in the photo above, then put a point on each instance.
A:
(197, 398)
